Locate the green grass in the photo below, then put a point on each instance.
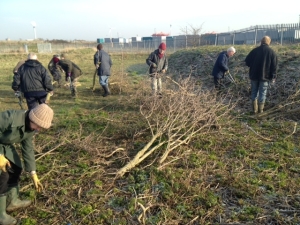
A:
(231, 176)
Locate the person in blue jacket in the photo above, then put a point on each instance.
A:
(221, 66)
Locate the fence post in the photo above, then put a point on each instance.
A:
(281, 34)
(174, 44)
(185, 41)
(233, 38)
(255, 38)
(26, 48)
(216, 39)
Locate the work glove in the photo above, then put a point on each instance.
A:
(68, 77)
(37, 184)
(226, 72)
(17, 94)
(163, 71)
(154, 65)
(3, 163)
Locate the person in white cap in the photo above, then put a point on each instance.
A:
(19, 126)
(221, 66)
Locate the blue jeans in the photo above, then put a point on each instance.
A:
(259, 90)
(103, 80)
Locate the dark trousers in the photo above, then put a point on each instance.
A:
(35, 101)
(10, 178)
(217, 82)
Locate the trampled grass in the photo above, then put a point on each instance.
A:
(244, 172)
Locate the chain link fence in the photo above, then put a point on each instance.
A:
(279, 33)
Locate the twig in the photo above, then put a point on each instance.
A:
(50, 151)
(117, 150)
(143, 214)
(294, 131)
(250, 128)
(193, 220)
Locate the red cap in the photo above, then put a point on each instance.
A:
(162, 46)
(55, 60)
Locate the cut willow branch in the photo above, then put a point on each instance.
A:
(175, 119)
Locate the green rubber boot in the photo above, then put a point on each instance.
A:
(13, 201)
(255, 106)
(261, 107)
(5, 219)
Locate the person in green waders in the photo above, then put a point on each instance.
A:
(19, 126)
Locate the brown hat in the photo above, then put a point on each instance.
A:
(41, 115)
(266, 40)
(99, 46)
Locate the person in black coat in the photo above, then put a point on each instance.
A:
(221, 66)
(103, 63)
(33, 80)
(262, 63)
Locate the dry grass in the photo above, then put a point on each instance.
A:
(229, 175)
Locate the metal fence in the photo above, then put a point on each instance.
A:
(279, 33)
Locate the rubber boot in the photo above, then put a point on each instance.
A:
(254, 106)
(5, 219)
(13, 200)
(261, 107)
(106, 90)
(74, 91)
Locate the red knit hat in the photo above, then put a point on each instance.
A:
(162, 46)
(55, 60)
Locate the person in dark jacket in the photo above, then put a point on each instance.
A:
(33, 80)
(103, 63)
(56, 71)
(72, 72)
(158, 65)
(262, 63)
(19, 126)
(221, 66)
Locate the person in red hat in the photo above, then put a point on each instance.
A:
(158, 65)
(55, 70)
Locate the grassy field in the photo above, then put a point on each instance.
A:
(238, 169)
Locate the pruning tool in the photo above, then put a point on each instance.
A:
(230, 78)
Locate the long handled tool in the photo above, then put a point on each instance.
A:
(18, 94)
(230, 78)
(94, 79)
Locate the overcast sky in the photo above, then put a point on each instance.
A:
(92, 19)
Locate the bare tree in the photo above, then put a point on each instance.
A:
(176, 119)
(192, 34)
(191, 29)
